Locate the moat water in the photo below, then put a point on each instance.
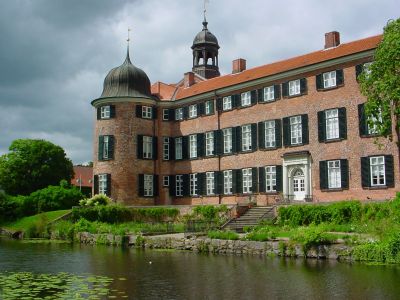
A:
(149, 274)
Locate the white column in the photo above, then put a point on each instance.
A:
(285, 181)
(307, 177)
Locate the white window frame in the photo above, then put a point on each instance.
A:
(102, 178)
(270, 179)
(294, 87)
(227, 136)
(147, 146)
(245, 98)
(179, 114)
(178, 148)
(105, 112)
(208, 106)
(332, 124)
(166, 181)
(367, 68)
(148, 185)
(334, 174)
(166, 143)
(209, 143)
(247, 180)
(378, 170)
(165, 116)
(374, 129)
(227, 103)
(296, 130)
(246, 137)
(179, 185)
(269, 93)
(147, 112)
(193, 111)
(228, 178)
(329, 79)
(106, 146)
(270, 138)
(210, 183)
(193, 184)
(193, 145)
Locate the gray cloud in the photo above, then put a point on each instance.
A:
(55, 54)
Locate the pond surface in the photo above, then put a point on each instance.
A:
(149, 274)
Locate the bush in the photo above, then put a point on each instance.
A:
(96, 200)
(223, 235)
(312, 236)
(262, 234)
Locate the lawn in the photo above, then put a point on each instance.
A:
(26, 222)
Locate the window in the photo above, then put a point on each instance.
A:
(179, 114)
(165, 114)
(103, 184)
(147, 147)
(270, 141)
(227, 103)
(373, 128)
(193, 145)
(269, 94)
(228, 182)
(166, 148)
(179, 185)
(246, 137)
(367, 68)
(210, 183)
(377, 165)
(105, 112)
(193, 185)
(332, 124)
(178, 148)
(106, 140)
(209, 143)
(246, 99)
(294, 87)
(165, 180)
(270, 178)
(193, 111)
(227, 133)
(148, 185)
(247, 182)
(209, 107)
(295, 130)
(334, 176)
(329, 79)
(147, 112)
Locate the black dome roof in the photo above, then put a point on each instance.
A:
(205, 37)
(126, 81)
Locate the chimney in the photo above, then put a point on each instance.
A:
(332, 39)
(238, 65)
(188, 79)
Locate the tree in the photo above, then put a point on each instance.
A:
(381, 84)
(32, 165)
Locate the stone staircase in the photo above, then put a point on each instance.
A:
(251, 217)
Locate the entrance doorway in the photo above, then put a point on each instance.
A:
(298, 184)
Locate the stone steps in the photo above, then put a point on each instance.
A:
(251, 218)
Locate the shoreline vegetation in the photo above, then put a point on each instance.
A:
(367, 232)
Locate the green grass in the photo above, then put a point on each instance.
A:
(26, 222)
(223, 235)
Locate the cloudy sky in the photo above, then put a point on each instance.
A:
(54, 54)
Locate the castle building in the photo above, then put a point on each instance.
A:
(290, 130)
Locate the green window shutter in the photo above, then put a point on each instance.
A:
(362, 120)
(260, 95)
(108, 191)
(253, 97)
(389, 170)
(238, 132)
(239, 181)
(285, 89)
(98, 113)
(220, 104)
(185, 147)
(200, 145)
(155, 147)
(279, 179)
(186, 184)
(218, 142)
(261, 179)
(141, 185)
(140, 146)
(254, 180)
(154, 112)
(319, 82)
(219, 183)
(96, 184)
(212, 107)
(234, 141)
(344, 173)
(261, 135)
(171, 148)
(201, 109)
(278, 133)
(236, 100)
(342, 123)
(111, 147)
(101, 145)
(365, 172)
(304, 128)
(254, 145)
(171, 114)
(155, 185)
(323, 175)
(185, 112)
(201, 183)
(303, 86)
(112, 111)
(234, 182)
(339, 77)
(277, 91)
(321, 127)
(359, 69)
(138, 111)
(172, 185)
(286, 131)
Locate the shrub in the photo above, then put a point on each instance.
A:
(223, 235)
(262, 234)
(210, 213)
(96, 200)
(312, 236)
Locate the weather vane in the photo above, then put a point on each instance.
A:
(205, 7)
(128, 40)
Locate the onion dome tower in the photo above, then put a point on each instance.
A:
(205, 53)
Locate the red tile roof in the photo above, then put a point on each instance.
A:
(83, 173)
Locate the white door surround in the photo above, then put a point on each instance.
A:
(297, 184)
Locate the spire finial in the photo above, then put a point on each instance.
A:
(205, 11)
(128, 41)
